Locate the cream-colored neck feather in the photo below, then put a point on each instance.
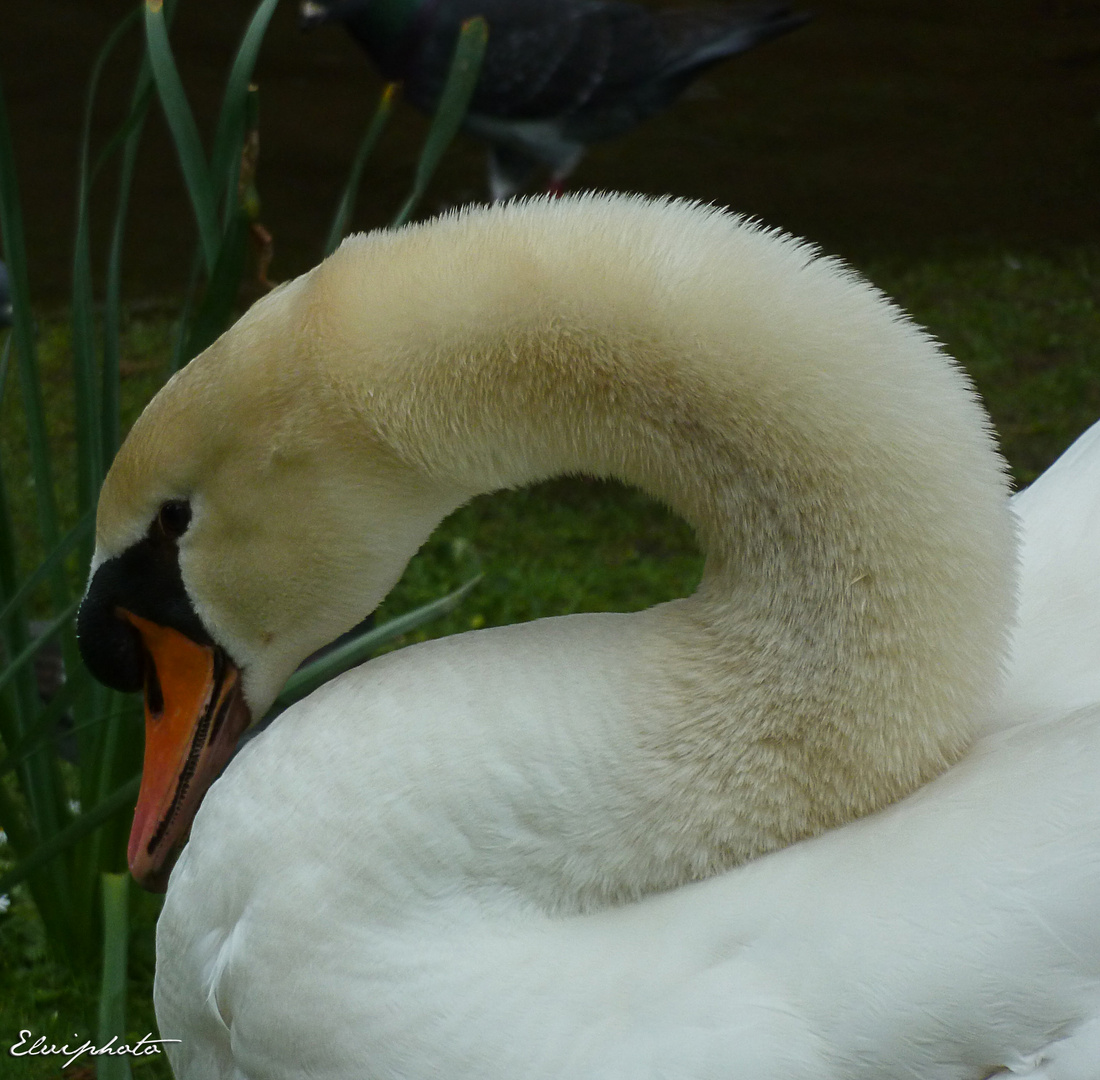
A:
(837, 468)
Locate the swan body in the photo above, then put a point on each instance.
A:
(513, 853)
(1056, 642)
(947, 937)
(952, 936)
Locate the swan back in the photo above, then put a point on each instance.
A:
(1056, 641)
(944, 937)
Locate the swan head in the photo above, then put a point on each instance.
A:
(231, 468)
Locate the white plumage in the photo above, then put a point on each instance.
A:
(514, 853)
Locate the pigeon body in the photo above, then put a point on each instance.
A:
(557, 74)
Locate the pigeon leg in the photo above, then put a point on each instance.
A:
(509, 171)
(563, 169)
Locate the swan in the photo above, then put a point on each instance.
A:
(1056, 642)
(526, 851)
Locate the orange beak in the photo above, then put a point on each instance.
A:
(194, 715)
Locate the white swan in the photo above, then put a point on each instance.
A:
(474, 858)
(1054, 664)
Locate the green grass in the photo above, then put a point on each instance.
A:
(1025, 327)
(1028, 330)
(146, 346)
(42, 996)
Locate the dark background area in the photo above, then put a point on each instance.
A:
(885, 129)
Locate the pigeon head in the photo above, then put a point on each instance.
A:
(385, 29)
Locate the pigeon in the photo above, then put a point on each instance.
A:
(557, 74)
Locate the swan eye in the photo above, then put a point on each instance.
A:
(173, 518)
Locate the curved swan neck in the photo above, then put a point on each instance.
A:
(835, 464)
(833, 461)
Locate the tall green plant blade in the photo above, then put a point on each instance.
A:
(5, 361)
(131, 133)
(112, 989)
(453, 103)
(19, 835)
(51, 907)
(91, 453)
(188, 314)
(16, 664)
(47, 884)
(231, 120)
(86, 385)
(370, 139)
(44, 791)
(307, 679)
(126, 23)
(52, 561)
(120, 756)
(15, 252)
(121, 135)
(185, 134)
(17, 706)
(97, 729)
(233, 167)
(39, 776)
(121, 799)
(216, 310)
(14, 631)
(45, 723)
(221, 290)
(96, 441)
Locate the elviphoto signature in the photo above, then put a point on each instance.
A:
(42, 1047)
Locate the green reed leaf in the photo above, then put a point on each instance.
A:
(346, 206)
(453, 103)
(185, 133)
